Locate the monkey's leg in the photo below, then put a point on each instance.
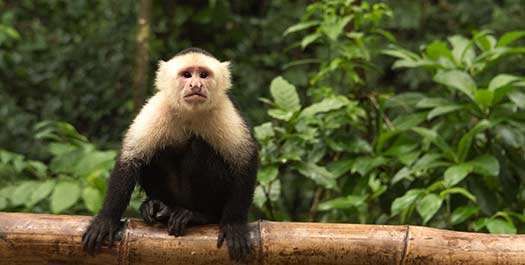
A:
(180, 218)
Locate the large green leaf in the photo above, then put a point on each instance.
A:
(342, 203)
(284, 94)
(318, 174)
(458, 190)
(429, 206)
(486, 165)
(301, 26)
(502, 80)
(22, 193)
(41, 191)
(498, 226)
(264, 131)
(457, 80)
(267, 174)
(466, 140)
(484, 98)
(405, 201)
(457, 173)
(462, 49)
(510, 37)
(327, 104)
(309, 39)
(333, 28)
(93, 199)
(461, 214)
(441, 110)
(65, 195)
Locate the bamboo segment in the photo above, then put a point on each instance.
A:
(56, 239)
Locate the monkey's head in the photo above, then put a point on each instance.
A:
(194, 79)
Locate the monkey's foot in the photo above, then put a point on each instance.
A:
(238, 240)
(153, 211)
(179, 220)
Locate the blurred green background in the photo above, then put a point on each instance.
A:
(381, 112)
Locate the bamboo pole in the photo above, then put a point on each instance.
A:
(56, 239)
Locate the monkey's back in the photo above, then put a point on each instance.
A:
(193, 176)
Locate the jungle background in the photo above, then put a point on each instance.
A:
(380, 112)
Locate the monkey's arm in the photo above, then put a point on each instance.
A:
(233, 223)
(107, 223)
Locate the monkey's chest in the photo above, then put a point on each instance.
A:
(193, 176)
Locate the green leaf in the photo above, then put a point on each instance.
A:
(65, 195)
(403, 173)
(264, 131)
(458, 190)
(318, 174)
(280, 114)
(309, 39)
(438, 111)
(340, 166)
(267, 174)
(484, 98)
(259, 198)
(510, 37)
(363, 164)
(334, 28)
(93, 199)
(301, 26)
(436, 139)
(41, 192)
(327, 104)
(285, 95)
(432, 103)
(3, 203)
(502, 80)
(347, 202)
(405, 201)
(498, 226)
(518, 98)
(404, 122)
(429, 206)
(456, 173)
(462, 49)
(485, 165)
(466, 140)
(22, 193)
(461, 214)
(438, 49)
(457, 80)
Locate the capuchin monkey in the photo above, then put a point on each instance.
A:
(191, 152)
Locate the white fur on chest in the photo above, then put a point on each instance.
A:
(159, 125)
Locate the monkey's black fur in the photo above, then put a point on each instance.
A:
(190, 184)
(194, 49)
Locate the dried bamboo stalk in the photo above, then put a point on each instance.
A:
(55, 239)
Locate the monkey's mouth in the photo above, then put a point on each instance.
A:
(195, 98)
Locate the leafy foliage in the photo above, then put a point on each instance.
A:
(376, 111)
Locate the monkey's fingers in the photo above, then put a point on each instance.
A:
(220, 239)
(163, 214)
(147, 211)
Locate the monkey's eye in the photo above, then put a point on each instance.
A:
(186, 74)
(204, 75)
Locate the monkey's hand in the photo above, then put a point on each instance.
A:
(153, 211)
(238, 240)
(101, 228)
(179, 219)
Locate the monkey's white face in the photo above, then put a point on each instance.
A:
(194, 81)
